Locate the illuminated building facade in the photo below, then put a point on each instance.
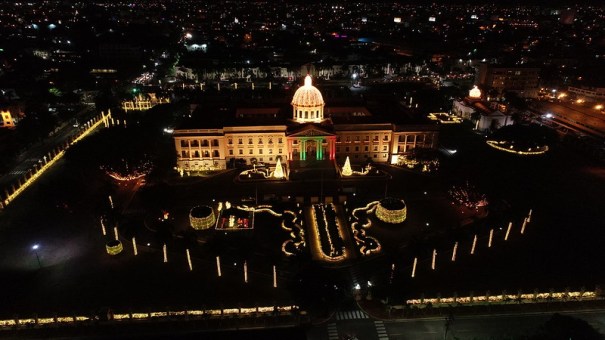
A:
(311, 132)
(6, 120)
(522, 80)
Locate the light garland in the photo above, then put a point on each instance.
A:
(496, 145)
(504, 298)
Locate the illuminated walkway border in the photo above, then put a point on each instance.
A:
(498, 146)
(104, 119)
(505, 298)
(151, 316)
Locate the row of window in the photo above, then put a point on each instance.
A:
(419, 139)
(385, 148)
(366, 139)
(251, 151)
(196, 154)
(196, 143)
(251, 141)
(384, 155)
(300, 115)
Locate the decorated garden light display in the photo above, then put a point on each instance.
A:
(264, 173)
(468, 196)
(123, 171)
(235, 219)
(202, 217)
(346, 169)
(520, 139)
(114, 247)
(329, 243)
(391, 210)
(279, 171)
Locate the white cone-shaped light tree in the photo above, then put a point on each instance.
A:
(346, 169)
(279, 170)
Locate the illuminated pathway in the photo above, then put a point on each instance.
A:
(104, 119)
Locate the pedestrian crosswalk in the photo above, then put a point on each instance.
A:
(332, 332)
(381, 330)
(351, 315)
(18, 172)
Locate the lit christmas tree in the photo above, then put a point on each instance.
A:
(279, 171)
(346, 169)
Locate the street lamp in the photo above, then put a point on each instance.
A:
(35, 249)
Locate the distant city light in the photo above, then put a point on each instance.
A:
(549, 115)
(188, 36)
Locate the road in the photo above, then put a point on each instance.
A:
(588, 120)
(462, 327)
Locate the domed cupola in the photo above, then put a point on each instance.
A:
(308, 103)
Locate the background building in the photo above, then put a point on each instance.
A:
(523, 81)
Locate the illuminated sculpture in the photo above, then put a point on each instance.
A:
(279, 171)
(308, 103)
(475, 92)
(114, 247)
(391, 210)
(202, 217)
(346, 169)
